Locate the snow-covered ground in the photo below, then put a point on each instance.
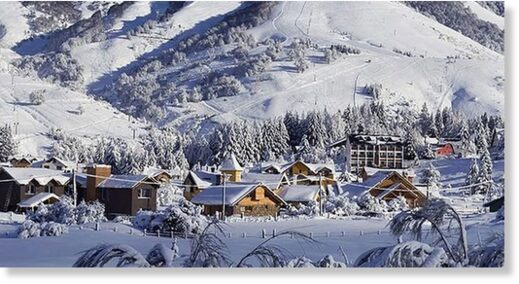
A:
(360, 234)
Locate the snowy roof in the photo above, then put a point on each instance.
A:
(315, 168)
(299, 193)
(29, 159)
(371, 171)
(389, 190)
(153, 172)
(37, 199)
(42, 176)
(122, 181)
(231, 164)
(368, 139)
(359, 189)
(66, 164)
(271, 179)
(354, 190)
(203, 179)
(233, 193)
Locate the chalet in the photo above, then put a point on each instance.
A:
(444, 147)
(444, 150)
(387, 186)
(197, 181)
(121, 194)
(159, 175)
(300, 194)
(21, 161)
(378, 151)
(368, 172)
(20, 184)
(304, 173)
(58, 164)
(249, 199)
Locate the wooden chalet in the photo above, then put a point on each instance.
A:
(304, 173)
(387, 186)
(248, 199)
(121, 194)
(21, 162)
(19, 184)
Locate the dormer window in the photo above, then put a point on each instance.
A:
(30, 189)
(49, 188)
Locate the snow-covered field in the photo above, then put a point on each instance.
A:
(359, 236)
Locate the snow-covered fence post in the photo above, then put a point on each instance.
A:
(158, 233)
(80, 228)
(131, 231)
(379, 232)
(263, 234)
(172, 234)
(311, 235)
(230, 235)
(144, 232)
(242, 215)
(361, 232)
(98, 226)
(11, 215)
(291, 235)
(185, 235)
(327, 234)
(244, 235)
(115, 229)
(274, 232)
(343, 234)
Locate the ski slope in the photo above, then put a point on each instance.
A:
(470, 80)
(58, 111)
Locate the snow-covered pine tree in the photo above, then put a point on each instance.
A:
(473, 176)
(8, 145)
(467, 146)
(485, 173)
(315, 131)
(431, 177)
(294, 129)
(438, 122)
(425, 122)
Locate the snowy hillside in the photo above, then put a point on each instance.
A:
(194, 64)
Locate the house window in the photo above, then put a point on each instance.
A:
(49, 188)
(145, 193)
(30, 189)
(59, 168)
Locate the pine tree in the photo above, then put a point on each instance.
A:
(425, 121)
(485, 173)
(473, 176)
(467, 146)
(431, 177)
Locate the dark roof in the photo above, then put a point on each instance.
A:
(122, 181)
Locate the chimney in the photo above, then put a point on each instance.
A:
(95, 175)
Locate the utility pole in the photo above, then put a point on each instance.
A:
(321, 207)
(223, 197)
(74, 186)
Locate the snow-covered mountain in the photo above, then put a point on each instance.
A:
(194, 64)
